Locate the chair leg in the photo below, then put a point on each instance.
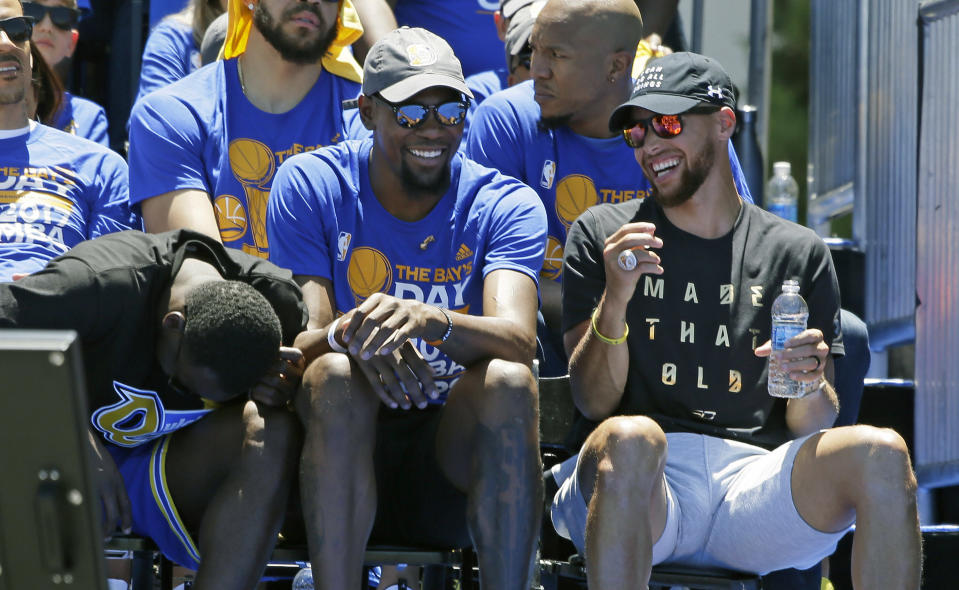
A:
(141, 571)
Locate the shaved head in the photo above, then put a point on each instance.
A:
(582, 59)
(615, 25)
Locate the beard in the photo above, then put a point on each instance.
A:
(692, 178)
(418, 184)
(294, 50)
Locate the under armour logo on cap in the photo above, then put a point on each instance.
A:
(714, 92)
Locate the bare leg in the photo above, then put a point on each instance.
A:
(337, 484)
(488, 446)
(864, 473)
(230, 476)
(621, 474)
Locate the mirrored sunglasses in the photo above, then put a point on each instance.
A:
(17, 28)
(411, 116)
(61, 16)
(665, 126)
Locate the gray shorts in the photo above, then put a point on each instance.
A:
(729, 505)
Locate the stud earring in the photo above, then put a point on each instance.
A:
(612, 79)
(250, 6)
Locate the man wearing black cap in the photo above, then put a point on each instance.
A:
(693, 462)
(419, 269)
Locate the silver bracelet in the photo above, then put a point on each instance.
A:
(331, 337)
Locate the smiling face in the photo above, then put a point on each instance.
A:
(418, 159)
(15, 62)
(54, 43)
(676, 167)
(300, 31)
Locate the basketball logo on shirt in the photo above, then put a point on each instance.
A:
(368, 272)
(553, 263)
(420, 55)
(230, 217)
(549, 172)
(253, 164)
(574, 194)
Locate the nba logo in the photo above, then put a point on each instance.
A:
(343, 245)
(549, 172)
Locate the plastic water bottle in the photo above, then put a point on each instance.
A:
(303, 580)
(782, 192)
(789, 319)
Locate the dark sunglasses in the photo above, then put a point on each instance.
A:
(665, 126)
(61, 16)
(521, 60)
(17, 28)
(410, 116)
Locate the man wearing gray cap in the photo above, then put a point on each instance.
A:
(692, 460)
(419, 269)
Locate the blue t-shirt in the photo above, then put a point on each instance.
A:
(170, 54)
(57, 190)
(202, 133)
(83, 118)
(570, 172)
(467, 25)
(324, 220)
(482, 85)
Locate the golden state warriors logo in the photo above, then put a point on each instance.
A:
(574, 194)
(553, 263)
(420, 55)
(368, 272)
(230, 217)
(253, 164)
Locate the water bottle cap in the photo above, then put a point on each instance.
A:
(790, 285)
(782, 168)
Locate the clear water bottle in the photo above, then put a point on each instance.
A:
(782, 192)
(789, 319)
(303, 580)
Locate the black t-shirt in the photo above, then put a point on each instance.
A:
(109, 291)
(693, 328)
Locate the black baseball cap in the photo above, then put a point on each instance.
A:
(675, 83)
(409, 60)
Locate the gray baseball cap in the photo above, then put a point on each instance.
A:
(409, 60)
(520, 27)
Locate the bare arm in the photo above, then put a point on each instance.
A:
(818, 410)
(506, 330)
(187, 208)
(318, 296)
(597, 369)
(378, 20)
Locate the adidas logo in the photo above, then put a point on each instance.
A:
(463, 253)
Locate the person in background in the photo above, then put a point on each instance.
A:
(55, 35)
(514, 21)
(173, 48)
(203, 150)
(58, 189)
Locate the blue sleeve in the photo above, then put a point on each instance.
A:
(517, 239)
(166, 57)
(353, 124)
(299, 207)
(738, 176)
(110, 199)
(98, 129)
(166, 147)
(494, 140)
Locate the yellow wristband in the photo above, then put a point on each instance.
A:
(610, 341)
